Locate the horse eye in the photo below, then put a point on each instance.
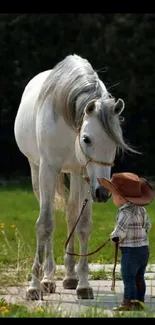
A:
(122, 119)
(86, 139)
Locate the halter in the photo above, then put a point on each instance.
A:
(88, 158)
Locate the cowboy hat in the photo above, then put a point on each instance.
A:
(131, 187)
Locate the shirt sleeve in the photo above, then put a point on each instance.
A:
(147, 222)
(121, 227)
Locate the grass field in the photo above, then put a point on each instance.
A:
(19, 212)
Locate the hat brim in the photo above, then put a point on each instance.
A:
(147, 191)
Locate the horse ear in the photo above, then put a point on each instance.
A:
(90, 107)
(119, 106)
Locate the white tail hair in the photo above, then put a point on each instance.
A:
(61, 192)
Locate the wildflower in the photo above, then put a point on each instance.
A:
(4, 309)
(39, 310)
(2, 225)
(99, 261)
(13, 226)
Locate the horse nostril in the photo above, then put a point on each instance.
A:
(102, 194)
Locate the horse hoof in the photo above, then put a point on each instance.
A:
(48, 286)
(34, 294)
(69, 283)
(85, 293)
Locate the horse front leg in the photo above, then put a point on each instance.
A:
(44, 230)
(83, 290)
(70, 280)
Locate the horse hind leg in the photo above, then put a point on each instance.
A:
(70, 280)
(44, 229)
(45, 285)
(34, 292)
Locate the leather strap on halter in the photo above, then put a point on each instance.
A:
(71, 233)
(96, 250)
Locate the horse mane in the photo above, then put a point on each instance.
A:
(112, 124)
(71, 79)
(71, 84)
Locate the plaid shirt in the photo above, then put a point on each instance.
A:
(132, 225)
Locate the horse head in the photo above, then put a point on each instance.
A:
(98, 138)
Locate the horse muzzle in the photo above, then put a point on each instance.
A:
(100, 194)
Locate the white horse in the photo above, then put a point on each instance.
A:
(67, 122)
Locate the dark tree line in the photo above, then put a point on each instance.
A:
(120, 48)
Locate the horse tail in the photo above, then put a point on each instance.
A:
(61, 193)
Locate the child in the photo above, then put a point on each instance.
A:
(130, 193)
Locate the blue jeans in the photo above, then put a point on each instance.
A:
(133, 264)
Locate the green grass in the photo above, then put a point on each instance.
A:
(19, 212)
